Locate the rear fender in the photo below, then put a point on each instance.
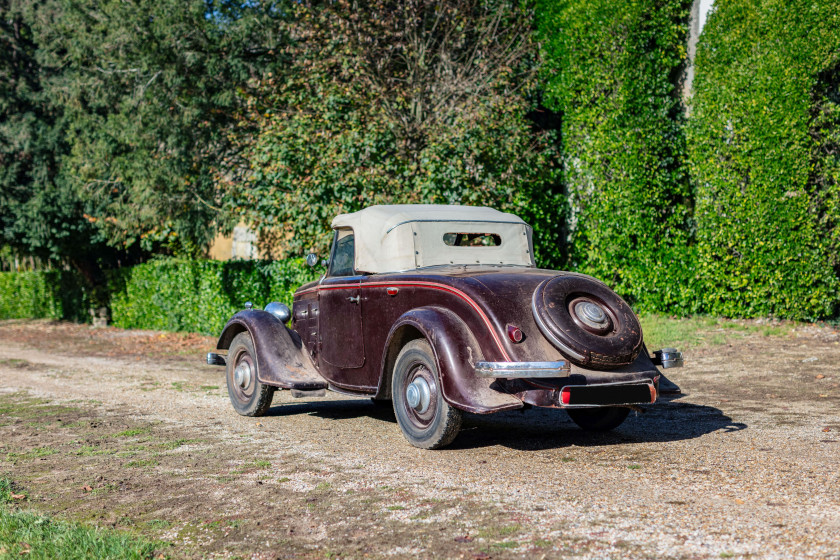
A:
(281, 359)
(456, 352)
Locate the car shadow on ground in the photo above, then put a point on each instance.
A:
(540, 428)
(546, 429)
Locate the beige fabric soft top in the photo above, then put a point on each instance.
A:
(390, 238)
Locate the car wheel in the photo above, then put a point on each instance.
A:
(248, 396)
(598, 419)
(427, 421)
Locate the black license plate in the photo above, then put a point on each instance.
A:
(609, 394)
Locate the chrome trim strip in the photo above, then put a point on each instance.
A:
(522, 370)
(547, 332)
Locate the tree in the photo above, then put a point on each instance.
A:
(40, 212)
(399, 101)
(149, 91)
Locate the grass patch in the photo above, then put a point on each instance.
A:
(499, 531)
(396, 508)
(176, 443)
(133, 432)
(634, 467)
(702, 330)
(158, 524)
(90, 450)
(29, 535)
(36, 453)
(142, 463)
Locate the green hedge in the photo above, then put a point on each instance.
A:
(164, 294)
(610, 68)
(199, 296)
(764, 143)
(43, 295)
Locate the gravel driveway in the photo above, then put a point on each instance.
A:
(746, 463)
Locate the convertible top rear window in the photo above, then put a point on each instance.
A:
(472, 239)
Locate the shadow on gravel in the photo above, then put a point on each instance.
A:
(540, 428)
(548, 429)
(336, 410)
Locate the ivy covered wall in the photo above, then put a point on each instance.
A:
(611, 69)
(764, 144)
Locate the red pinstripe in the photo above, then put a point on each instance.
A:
(430, 285)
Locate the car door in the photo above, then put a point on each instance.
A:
(340, 317)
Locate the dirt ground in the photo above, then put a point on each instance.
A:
(129, 429)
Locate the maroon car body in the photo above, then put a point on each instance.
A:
(477, 338)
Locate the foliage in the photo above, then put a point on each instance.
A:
(199, 295)
(765, 154)
(148, 90)
(44, 294)
(28, 534)
(40, 212)
(398, 101)
(115, 124)
(163, 294)
(610, 68)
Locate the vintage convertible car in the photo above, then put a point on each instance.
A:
(441, 310)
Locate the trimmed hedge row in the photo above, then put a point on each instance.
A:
(50, 294)
(764, 143)
(609, 68)
(199, 296)
(164, 294)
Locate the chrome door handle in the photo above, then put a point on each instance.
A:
(354, 299)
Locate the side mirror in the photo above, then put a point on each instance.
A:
(312, 259)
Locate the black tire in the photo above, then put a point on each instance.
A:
(598, 419)
(439, 423)
(250, 397)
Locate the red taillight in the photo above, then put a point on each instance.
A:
(565, 395)
(514, 333)
(392, 291)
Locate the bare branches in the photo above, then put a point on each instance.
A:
(427, 62)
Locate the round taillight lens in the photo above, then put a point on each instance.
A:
(515, 333)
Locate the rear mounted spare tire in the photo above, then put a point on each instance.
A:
(589, 323)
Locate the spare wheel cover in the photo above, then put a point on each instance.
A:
(589, 323)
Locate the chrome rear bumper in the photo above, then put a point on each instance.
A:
(520, 370)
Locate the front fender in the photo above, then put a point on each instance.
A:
(281, 359)
(456, 352)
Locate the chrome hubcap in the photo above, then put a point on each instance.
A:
(591, 314)
(418, 394)
(242, 375)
